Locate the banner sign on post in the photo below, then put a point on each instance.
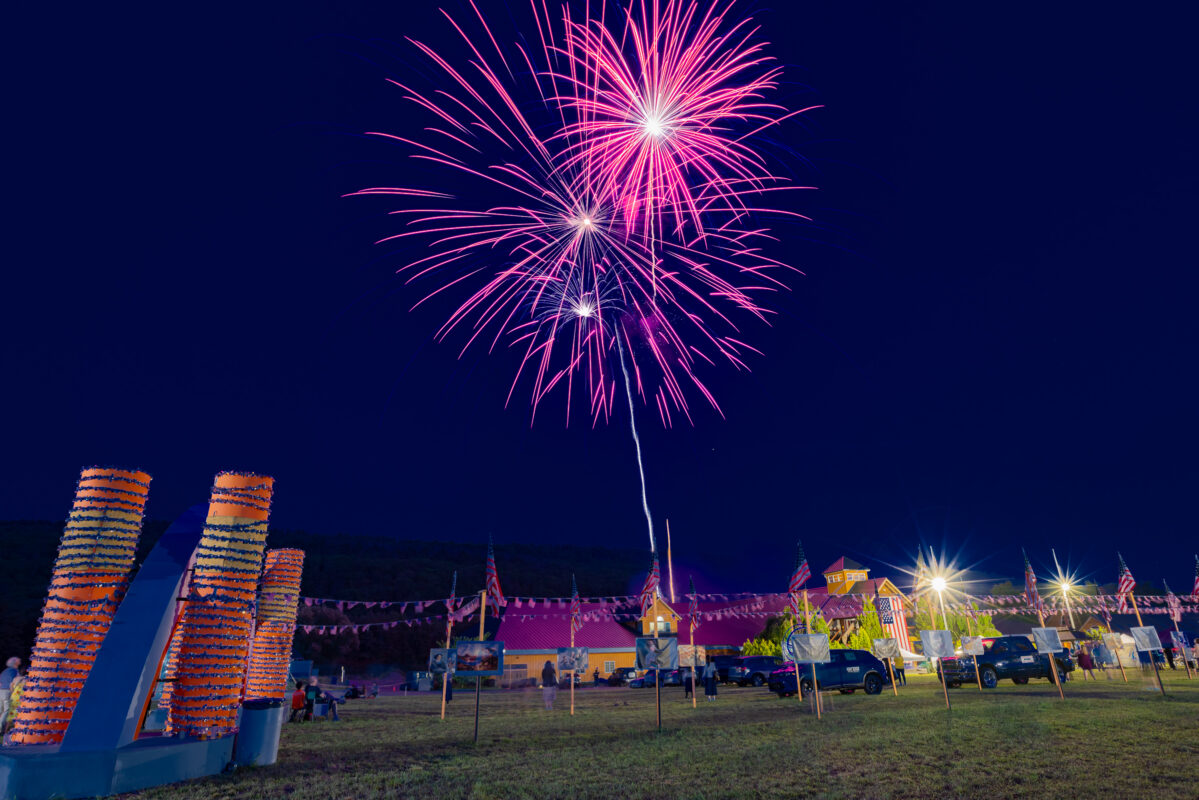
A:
(443, 660)
(809, 648)
(657, 653)
(1112, 641)
(1146, 639)
(886, 648)
(937, 644)
(972, 645)
(480, 659)
(692, 655)
(1047, 640)
(1180, 640)
(573, 658)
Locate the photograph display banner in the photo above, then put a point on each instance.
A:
(1047, 640)
(937, 644)
(692, 655)
(886, 648)
(1112, 641)
(972, 645)
(573, 658)
(657, 653)
(480, 659)
(442, 660)
(809, 648)
(1146, 639)
(1180, 639)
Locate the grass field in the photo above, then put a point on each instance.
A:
(1106, 739)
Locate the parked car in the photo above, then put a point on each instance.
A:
(668, 677)
(1005, 657)
(847, 671)
(564, 681)
(753, 670)
(622, 676)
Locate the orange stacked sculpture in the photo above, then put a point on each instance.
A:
(215, 629)
(90, 577)
(270, 653)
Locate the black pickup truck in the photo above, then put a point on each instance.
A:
(1005, 657)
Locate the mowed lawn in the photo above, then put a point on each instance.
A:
(1106, 739)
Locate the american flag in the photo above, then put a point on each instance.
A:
(693, 608)
(576, 608)
(1031, 595)
(1195, 588)
(893, 620)
(798, 578)
(1125, 583)
(649, 592)
(449, 604)
(495, 595)
(1105, 611)
(1173, 603)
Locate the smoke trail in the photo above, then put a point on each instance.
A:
(636, 441)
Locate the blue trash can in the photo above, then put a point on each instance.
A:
(258, 737)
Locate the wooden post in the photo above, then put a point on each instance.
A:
(891, 672)
(657, 670)
(478, 680)
(694, 682)
(572, 672)
(1185, 662)
(1119, 662)
(1152, 660)
(944, 685)
(1052, 661)
(449, 624)
(815, 681)
(970, 630)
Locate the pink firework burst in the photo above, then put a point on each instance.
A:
(550, 250)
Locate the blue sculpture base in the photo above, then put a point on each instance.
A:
(43, 772)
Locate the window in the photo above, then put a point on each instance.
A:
(1022, 646)
(609, 667)
(850, 655)
(837, 656)
(998, 648)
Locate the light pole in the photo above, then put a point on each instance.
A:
(939, 583)
(1066, 586)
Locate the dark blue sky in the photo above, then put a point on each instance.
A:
(994, 343)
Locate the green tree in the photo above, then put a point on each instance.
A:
(959, 624)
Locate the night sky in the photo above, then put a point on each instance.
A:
(993, 344)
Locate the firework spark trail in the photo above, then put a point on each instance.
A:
(605, 191)
(649, 520)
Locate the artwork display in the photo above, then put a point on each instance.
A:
(657, 653)
(576, 659)
(1047, 640)
(1112, 641)
(886, 648)
(972, 645)
(480, 659)
(1146, 638)
(442, 660)
(809, 648)
(937, 644)
(692, 655)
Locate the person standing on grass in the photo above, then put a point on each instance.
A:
(688, 683)
(1086, 664)
(549, 685)
(297, 703)
(710, 676)
(900, 676)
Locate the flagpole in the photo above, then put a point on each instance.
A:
(1119, 662)
(572, 672)
(890, 671)
(694, 685)
(1052, 661)
(1175, 617)
(970, 630)
(815, 681)
(479, 680)
(449, 625)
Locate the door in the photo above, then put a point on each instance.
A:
(832, 674)
(1025, 660)
(851, 667)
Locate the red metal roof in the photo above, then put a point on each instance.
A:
(840, 564)
(548, 628)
